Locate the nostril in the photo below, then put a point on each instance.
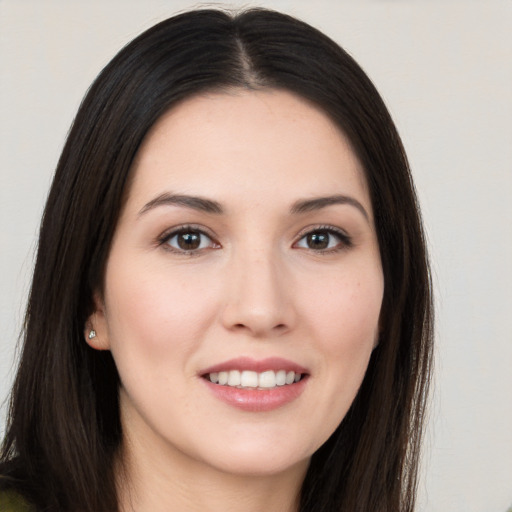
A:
(242, 326)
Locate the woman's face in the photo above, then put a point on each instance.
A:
(244, 284)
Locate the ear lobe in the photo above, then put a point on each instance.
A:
(96, 328)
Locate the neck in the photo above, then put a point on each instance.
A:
(173, 481)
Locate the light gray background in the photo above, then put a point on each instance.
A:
(445, 71)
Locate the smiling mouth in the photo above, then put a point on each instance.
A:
(247, 379)
(256, 385)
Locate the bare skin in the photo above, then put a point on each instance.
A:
(247, 239)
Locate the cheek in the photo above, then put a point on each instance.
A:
(157, 316)
(345, 319)
(346, 310)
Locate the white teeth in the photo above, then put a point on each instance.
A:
(250, 379)
(281, 378)
(267, 379)
(234, 378)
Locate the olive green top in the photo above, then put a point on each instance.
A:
(13, 502)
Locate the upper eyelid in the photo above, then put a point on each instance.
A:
(345, 239)
(163, 240)
(167, 235)
(322, 227)
(175, 230)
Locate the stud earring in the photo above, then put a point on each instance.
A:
(92, 334)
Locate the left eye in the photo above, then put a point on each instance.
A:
(189, 240)
(321, 240)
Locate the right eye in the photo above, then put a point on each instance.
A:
(324, 239)
(188, 240)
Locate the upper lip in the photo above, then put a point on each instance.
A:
(255, 365)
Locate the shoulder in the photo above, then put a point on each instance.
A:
(11, 501)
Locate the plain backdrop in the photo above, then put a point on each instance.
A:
(445, 71)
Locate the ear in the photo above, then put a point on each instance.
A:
(96, 327)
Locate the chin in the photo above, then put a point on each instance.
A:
(262, 466)
(247, 457)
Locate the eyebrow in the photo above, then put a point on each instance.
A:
(317, 203)
(209, 206)
(192, 202)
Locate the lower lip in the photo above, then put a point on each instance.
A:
(257, 400)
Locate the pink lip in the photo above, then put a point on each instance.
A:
(262, 365)
(257, 400)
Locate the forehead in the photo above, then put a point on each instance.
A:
(249, 141)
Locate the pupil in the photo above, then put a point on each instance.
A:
(319, 240)
(189, 241)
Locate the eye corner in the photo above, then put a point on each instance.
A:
(194, 240)
(323, 239)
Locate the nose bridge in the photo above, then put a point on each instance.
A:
(257, 298)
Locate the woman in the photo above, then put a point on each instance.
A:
(231, 302)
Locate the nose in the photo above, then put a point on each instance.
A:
(258, 296)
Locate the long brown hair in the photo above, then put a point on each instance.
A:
(63, 428)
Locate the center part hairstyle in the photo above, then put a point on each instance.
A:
(64, 430)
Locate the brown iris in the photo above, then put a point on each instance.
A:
(318, 240)
(189, 240)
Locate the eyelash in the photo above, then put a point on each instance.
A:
(165, 238)
(345, 240)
